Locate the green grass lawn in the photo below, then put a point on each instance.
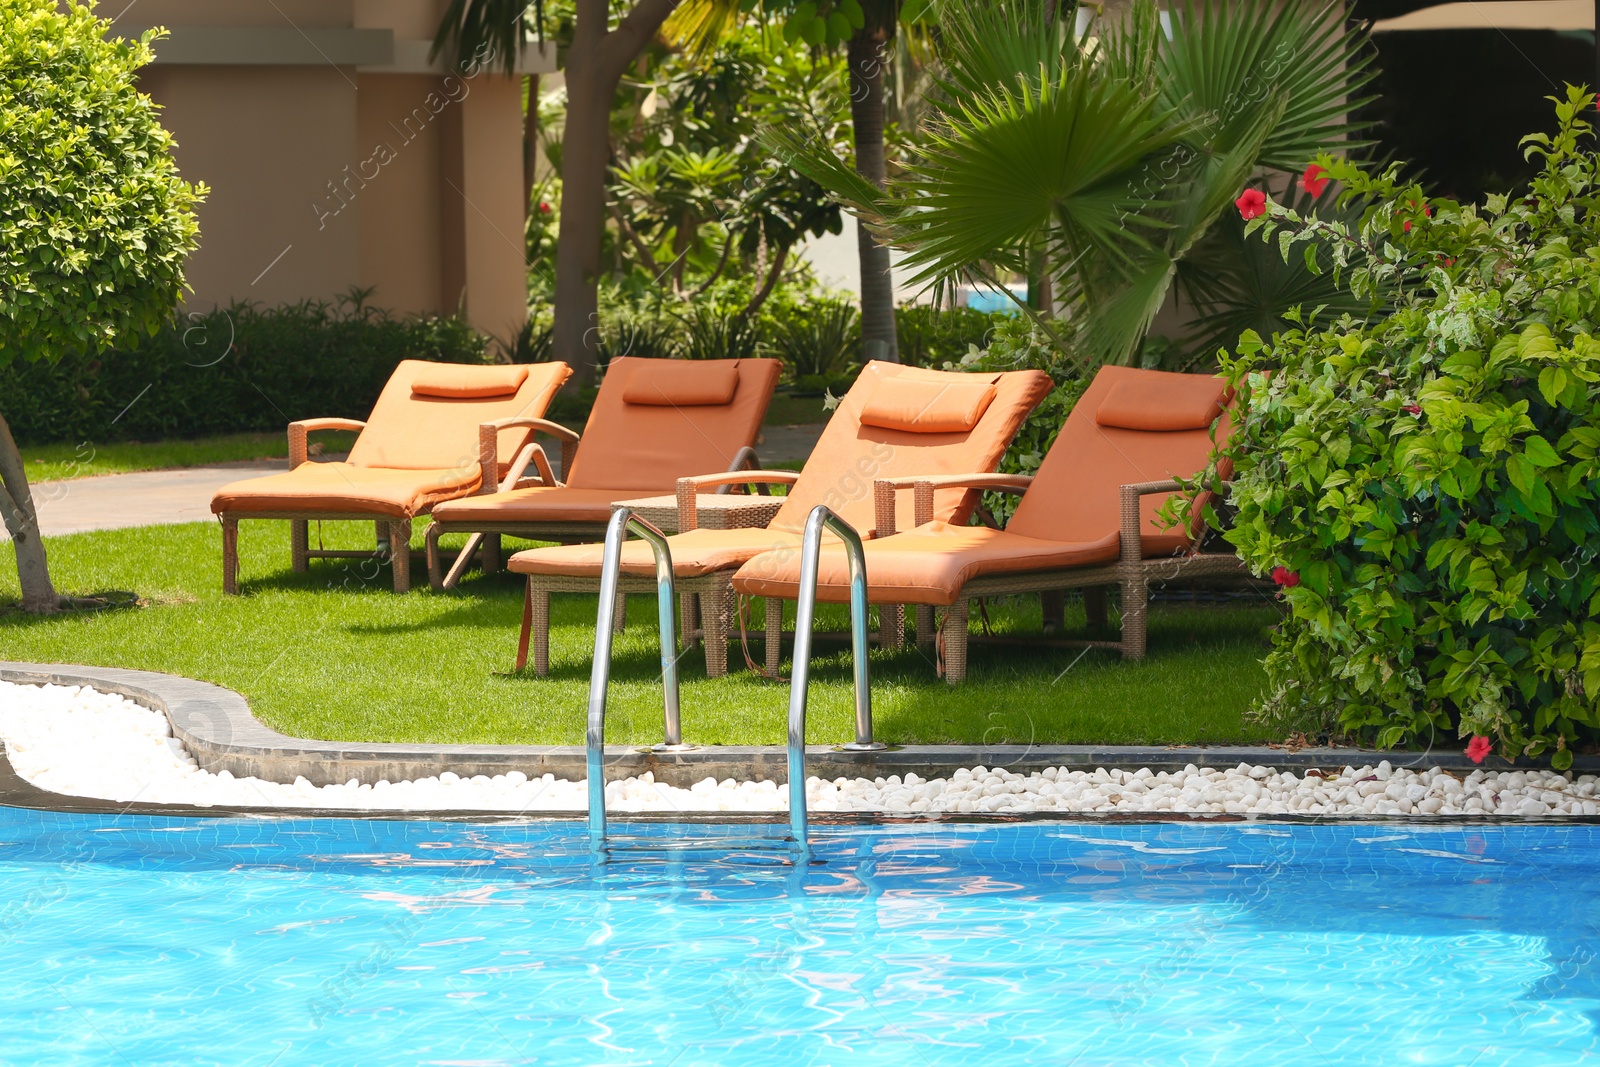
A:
(62, 461)
(334, 654)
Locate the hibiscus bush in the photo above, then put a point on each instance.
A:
(1422, 481)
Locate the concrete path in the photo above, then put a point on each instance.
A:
(160, 498)
(149, 498)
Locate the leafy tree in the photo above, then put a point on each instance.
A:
(95, 222)
(1100, 166)
(694, 172)
(598, 53)
(866, 29)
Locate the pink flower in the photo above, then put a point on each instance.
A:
(1313, 181)
(1252, 203)
(1286, 577)
(1478, 748)
(1412, 409)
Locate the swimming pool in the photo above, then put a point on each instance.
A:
(144, 939)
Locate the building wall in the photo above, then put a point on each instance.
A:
(338, 156)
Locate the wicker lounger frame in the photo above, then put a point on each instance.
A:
(705, 601)
(1132, 573)
(397, 527)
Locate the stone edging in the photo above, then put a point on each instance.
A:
(216, 725)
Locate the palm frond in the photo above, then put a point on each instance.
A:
(1019, 160)
(990, 45)
(1225, 60)
(698, 26)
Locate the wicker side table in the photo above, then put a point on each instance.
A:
(728, 511)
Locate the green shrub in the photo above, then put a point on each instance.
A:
(931, 336)
(233, 369)
(819, 342)
(710, 331)
(1424, 485)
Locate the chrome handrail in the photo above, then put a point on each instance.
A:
(623, 521)
(799, 686)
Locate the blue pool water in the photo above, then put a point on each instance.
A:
(279, 941)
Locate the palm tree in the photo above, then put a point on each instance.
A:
(1101, 166)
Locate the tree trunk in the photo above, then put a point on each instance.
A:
(595, 64)
(22, 521)
(769, 282)
(867, 54)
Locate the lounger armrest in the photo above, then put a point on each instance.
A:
(744, 459)
(489, 449)
(689, 488)
(298, 431)
(884, 489)
(534, 454)
(1132, 546)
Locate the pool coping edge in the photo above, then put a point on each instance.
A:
(218, 728)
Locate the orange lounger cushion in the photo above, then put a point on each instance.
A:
(695, 553)
(929, 407)
(538, 503)
(928, 565)
(463, 382)
(337, 487)
(682, 383)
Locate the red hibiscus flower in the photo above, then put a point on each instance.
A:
(1251, 204)
(544, 208)
(1286, 577)
(1412, 409)
(1478, 748)
(1312, 181)
(1427, 213)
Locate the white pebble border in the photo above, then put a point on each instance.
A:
(81, 742)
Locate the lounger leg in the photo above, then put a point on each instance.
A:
(892, 626)
(925, 635)
(539, 622)
(955, 642)
(714, 620)
(1094, 606)
(621, 613)
(463, 561)
(491, 553)
(400, 553)
(1135, 614)
(1053, 606)
(299, 545)
(692, 611)
(774, 635)
(230, 556)
(435, 577)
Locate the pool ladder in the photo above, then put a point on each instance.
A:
(623, 522)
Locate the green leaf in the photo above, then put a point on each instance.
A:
(1552, 381)
(1539, 452)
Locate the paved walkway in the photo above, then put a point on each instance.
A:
(148, 498)
(160, 498)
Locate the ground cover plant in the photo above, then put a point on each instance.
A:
(332, 654)
(1423, 483)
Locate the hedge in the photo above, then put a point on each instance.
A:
(235, 369)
